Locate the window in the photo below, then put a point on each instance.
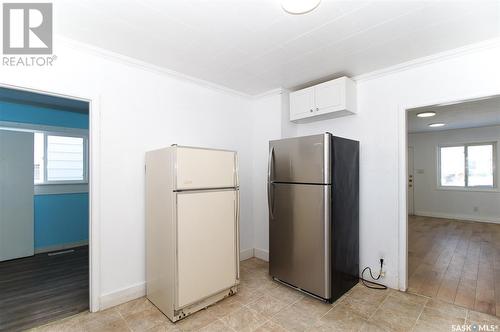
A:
(467, 165)
(453, 166)
(59, 158)
(38, 158)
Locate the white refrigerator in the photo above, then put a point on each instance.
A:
(192, 228)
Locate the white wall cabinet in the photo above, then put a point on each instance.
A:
(326, 100)
(301, 103)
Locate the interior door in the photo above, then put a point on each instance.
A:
(299, 236)
(16, 195)
(411, 182)
(207, 244)
(205, 168)
(301, 103)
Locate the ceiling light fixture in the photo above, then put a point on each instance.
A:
(426, 114)
(438, 124)
(297, 7)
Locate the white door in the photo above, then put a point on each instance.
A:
(301, 103)
(16, 195)
(205, 168)
(329, 95)
(411, 182)
(206, 244)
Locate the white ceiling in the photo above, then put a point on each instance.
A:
(253, 46)
(471, 114)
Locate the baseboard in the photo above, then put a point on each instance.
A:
(61, 247)
(254, 252)
(136, 291)
(457, 217)
(261, 254)
(121, 296)
(246, 254)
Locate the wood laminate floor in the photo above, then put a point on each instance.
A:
(455, 261)
(42, 288)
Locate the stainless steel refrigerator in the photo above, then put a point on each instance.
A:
(313, 196)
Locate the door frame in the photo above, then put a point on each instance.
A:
(403, 174)
(413, 179)
(94, 168)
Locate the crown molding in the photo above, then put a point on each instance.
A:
(427, 131)
(133, 62)
(436, 57)
(415, 63)
(272, 92)
(139, 64)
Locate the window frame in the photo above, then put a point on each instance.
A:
(47, 133)
(466, 187)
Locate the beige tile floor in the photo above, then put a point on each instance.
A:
(264, 305)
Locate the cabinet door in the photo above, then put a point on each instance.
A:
(301, 104)
(206, 244)
(329, 95)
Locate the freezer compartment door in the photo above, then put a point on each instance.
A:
(301, 159)
(204, 168)
(299, 236)
(207, 244)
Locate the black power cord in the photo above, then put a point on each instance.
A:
(373, 284)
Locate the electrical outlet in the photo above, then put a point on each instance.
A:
(382, 267)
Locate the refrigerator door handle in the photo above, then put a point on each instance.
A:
(236, 171)
(270, 200)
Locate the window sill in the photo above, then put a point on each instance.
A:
(487, 190)
(66, 188)
(65, 183)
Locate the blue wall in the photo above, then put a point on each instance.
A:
(15, 112)
(59, 218)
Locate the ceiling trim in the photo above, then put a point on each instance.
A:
(268, 93)
(415, 63)
(452, 129)
(436, 57)
(133, 62)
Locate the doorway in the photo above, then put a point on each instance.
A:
(44, 224)
(452, 210)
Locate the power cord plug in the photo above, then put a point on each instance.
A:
(373, 284)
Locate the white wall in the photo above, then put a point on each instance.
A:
(382, 99)
(429, 200)
(141, 109)
(266, 126)
(270, 121)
